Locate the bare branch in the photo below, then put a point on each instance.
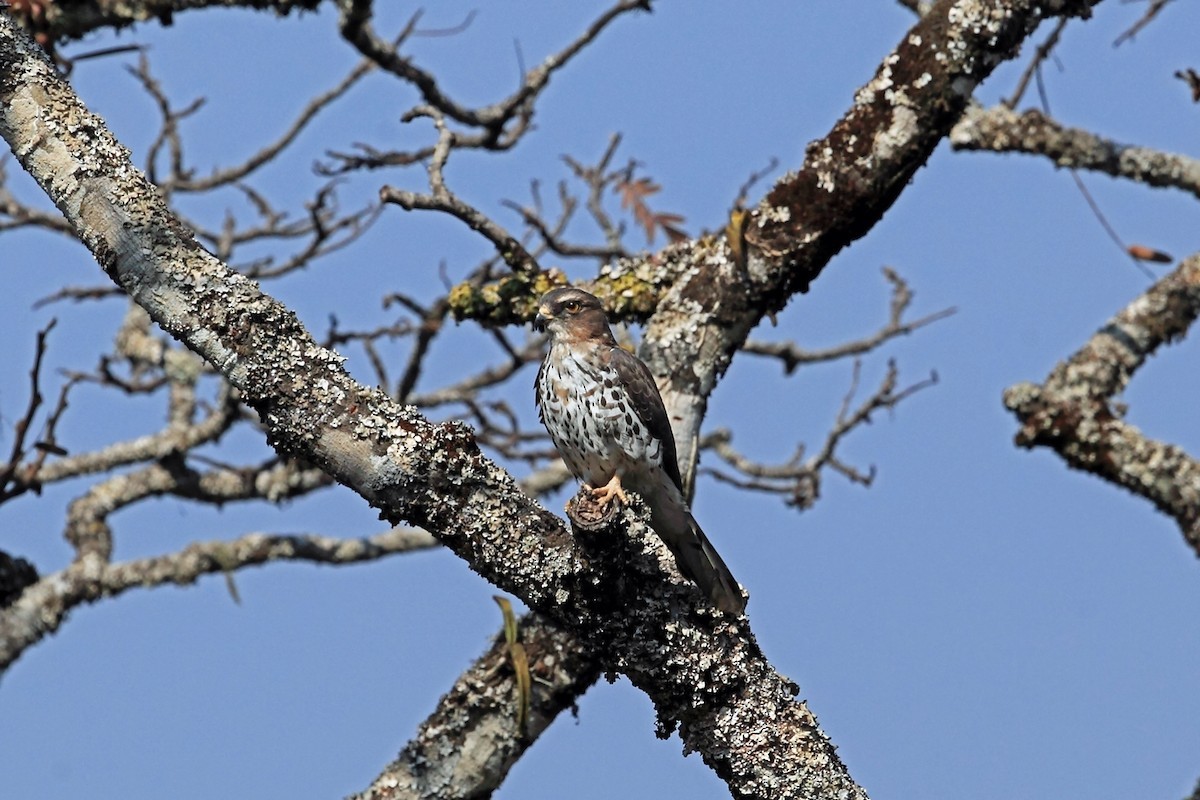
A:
(228, 175)
(442, 199)
(327, 233)
(1152, 10)
(1035, 64)
(551, 237)
(743, 192)
(356, 28)
(79, 294)
(467, 388)
(598, 178)
(168, 134)
(799, 479)
(14, 472)
(1192, 78)
(793, 356)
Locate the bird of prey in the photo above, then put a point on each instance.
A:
(607, 419)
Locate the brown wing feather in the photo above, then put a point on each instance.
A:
(648, 405)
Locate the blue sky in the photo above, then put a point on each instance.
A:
(980, 621)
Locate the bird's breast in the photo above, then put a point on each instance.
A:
(588, 415)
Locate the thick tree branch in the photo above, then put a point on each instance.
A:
(466, 747)
(76, 20)
(848, 180)
(1075, 412)
(855, 173)
(704, 672)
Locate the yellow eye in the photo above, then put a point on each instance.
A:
(571, 306)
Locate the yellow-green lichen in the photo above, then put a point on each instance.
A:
(506, 301)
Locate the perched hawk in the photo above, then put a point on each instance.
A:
(607, 419)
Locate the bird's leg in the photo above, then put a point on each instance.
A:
(604, 494)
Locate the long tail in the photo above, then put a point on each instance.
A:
(698, 560)
(700, 563)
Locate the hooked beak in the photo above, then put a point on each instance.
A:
(539, 322)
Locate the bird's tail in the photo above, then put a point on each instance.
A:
(698, 560)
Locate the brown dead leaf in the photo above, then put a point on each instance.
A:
(1143, 253)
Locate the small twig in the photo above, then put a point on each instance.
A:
(792, 355)
(1044, 97)
(24, 424)
(1152, 10)
(739, 200)
(442, 199)
(555, 244)
(315, 106)
(79, 294)
(1035, 64)
(598, 178)
(799, 479)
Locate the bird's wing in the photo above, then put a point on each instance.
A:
(648, 405)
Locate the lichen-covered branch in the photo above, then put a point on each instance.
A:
(1001, 130)
(1075, 412)
(41, 605)
(59, 20)
(704, 672)
(466, 747)
(853, 175)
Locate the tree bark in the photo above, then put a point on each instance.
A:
(704, 672)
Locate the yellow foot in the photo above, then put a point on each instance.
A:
(604, 494)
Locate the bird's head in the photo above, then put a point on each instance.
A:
(568, 313)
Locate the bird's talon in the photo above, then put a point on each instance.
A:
(605, 494)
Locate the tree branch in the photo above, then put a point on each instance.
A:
(703, 671)
(1001, 130)
(792, 355)
(855, 173)
(1074, 412)
(470, 742)
(44, 604)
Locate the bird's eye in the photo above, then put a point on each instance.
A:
(571, 306)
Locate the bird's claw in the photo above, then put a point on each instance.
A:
(605, 494)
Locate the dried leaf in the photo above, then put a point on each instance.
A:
(1192, 79)
(633, 194)
(735, 236)
(1143, 253)
(519, 660)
